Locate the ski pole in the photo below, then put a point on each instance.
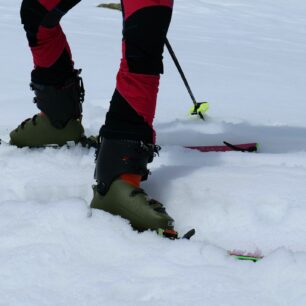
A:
(199, 107)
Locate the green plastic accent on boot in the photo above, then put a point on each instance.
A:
(121, 199)
(39, 132)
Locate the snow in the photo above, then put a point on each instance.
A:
(247, 58)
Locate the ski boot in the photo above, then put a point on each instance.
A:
(120, 165)
(60, 120)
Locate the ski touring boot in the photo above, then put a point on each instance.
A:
(120, 166)
(60, 119)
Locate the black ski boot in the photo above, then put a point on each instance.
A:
(60, 120)
(117, 196)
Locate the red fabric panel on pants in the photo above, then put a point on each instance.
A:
(51, 42)
(131, 7)
(139, 90)
(50, 45)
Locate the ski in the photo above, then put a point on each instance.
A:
(249, 256)
(243, 147)
(237, 254)
(91, 142)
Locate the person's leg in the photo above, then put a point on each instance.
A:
(128, 137)
(132, 107)
(57, 85)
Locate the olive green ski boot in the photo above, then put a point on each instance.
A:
(60, 119)
(39, 132)
(120, 197)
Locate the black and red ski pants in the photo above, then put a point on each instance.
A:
(145, 26)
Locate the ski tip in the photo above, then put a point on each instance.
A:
(249, 256)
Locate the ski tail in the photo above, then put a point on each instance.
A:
(243, 147)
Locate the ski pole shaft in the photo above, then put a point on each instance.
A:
(180, 70)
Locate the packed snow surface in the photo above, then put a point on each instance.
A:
(248, 59)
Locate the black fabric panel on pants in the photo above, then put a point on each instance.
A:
(67, 5)
(145, 33)
(32, 13)
(123, 122)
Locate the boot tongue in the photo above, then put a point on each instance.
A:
(132, 179)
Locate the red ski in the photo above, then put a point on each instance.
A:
(244, 147)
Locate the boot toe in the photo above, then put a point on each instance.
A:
(120, 200)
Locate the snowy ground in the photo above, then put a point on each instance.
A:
(248, 59)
